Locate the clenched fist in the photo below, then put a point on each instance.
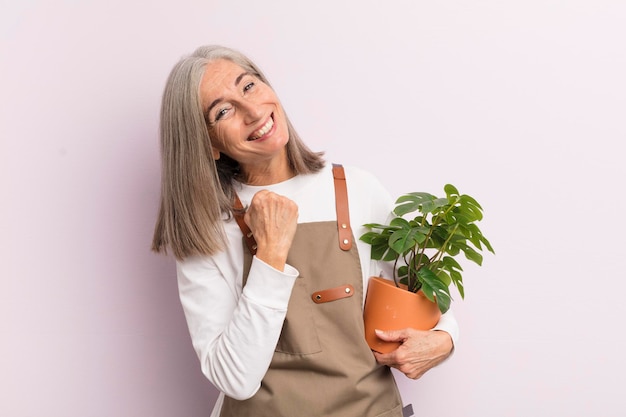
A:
(272, 219)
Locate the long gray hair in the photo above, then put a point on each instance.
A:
(197, 191)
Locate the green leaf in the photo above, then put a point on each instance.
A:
(441, 202)
(419, 228)
(458, 282)
(391, 255)
(378, 243)
(369, 237)
(487, 244)
(405, 239)
(379, 250)
(472, 255)
(450, 190)
(459, 215)
(471, 201)
(376, 226)
(451, 264)
(400, 223)
(444, 277)
(411, 202)
(473, 233)
(435, 290)
(435, 206)
(403, 271)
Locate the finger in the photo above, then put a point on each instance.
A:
(385, 358)
(271, 211)
(392, 335)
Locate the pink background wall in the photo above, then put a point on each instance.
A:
(520, 104)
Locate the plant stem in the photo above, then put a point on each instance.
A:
(439, 255)
(395, 275)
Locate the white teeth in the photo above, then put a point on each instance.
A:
(262, 131)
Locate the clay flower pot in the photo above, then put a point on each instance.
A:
(388, 307)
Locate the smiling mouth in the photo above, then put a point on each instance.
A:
(263, 130)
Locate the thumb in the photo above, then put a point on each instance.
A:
(392, 335)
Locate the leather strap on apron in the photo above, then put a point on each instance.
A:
(247, 233)
(341, 203)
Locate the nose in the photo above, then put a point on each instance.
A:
(251, 111)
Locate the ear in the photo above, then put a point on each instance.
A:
(216, 154)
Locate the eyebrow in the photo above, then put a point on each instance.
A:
(217, 100)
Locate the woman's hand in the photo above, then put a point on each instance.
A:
(420, 350)
(272, 219)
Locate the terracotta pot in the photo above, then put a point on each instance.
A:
(388, 307)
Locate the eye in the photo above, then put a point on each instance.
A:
(219, 114)
(248, 86)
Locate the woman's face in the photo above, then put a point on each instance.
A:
(244, 117)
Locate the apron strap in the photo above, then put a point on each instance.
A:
(239, 212)
(341, 205)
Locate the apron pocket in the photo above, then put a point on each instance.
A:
(299, 333)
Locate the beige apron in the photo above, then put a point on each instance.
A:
(322, 365)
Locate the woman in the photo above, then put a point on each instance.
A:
(261, 338)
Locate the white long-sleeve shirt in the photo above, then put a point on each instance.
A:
(234, 330)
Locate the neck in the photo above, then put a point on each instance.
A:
(268, 173)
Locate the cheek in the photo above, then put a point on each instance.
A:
(219, 138)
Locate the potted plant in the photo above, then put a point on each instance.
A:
(423, 250)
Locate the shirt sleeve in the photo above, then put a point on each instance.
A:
(447, 323)
(234, 335)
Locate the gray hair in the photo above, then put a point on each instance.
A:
(197, 191)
